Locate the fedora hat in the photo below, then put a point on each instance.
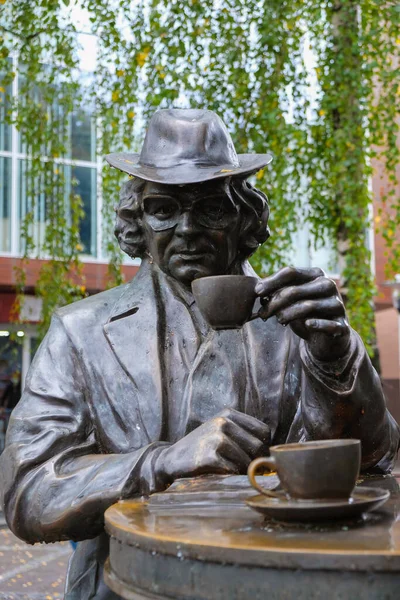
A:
(185, 146)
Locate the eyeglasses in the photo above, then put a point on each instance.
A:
(164, 213)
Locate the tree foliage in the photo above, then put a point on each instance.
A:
(315, 83)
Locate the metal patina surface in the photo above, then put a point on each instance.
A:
(135, 387)
(213, 547)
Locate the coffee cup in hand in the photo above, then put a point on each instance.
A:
(226, 301)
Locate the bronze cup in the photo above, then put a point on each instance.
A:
(225, 301)
(324, 470)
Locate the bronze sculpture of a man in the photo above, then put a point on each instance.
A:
(131, 388)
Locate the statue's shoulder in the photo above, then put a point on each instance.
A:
(94, 310)
(87, 316)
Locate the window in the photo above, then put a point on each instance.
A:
(83, 180)
(5, 204)
(78, 180)
(25, 205)
(5, 128)
(80, 168)
(304, 255)
(83, 137)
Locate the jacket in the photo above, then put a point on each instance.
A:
(91, 420)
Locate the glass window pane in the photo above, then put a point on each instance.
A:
(21, 84)
(86, 188)
(83, 137)
(85, 185)
(326, 258)
(305, 256)
(36, 209)
(5, 107)
(55, 113)
(80, 138)
(5, 204)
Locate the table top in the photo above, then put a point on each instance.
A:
(214, 524)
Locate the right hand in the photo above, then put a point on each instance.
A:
(225, 444)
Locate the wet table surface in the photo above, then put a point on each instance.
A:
(197, 526)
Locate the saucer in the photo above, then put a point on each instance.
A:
(361, 500)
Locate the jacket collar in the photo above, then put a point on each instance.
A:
(132, 331)
(134, 294)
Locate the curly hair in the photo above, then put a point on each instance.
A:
(253, 205)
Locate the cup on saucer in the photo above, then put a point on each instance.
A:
(318, 470)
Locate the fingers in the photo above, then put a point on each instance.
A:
(224, 467)
(306, 299)
(336, 328)
(323, 308)
(250, 424)
(321, 287)
(217, 465)
(229, 448)
(221, 445)
(234, 454)
(286, 276)
(246, 441)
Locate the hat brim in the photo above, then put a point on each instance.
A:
(186, 173)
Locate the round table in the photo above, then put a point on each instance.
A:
(212, 546)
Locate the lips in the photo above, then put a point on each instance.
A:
(191, 255)
(191, 250)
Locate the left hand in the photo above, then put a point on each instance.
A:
(310, 303)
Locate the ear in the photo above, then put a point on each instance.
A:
(128, 224)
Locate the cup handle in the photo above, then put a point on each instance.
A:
(252, 471)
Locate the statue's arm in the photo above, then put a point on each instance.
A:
(344, 398)
(54, 482)
(341, 394)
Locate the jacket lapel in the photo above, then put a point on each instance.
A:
(132, 332)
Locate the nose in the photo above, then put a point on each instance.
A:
(186, 224)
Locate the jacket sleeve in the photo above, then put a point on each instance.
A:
(54, 483)
(344, 399)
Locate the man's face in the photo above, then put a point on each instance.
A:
(191, 231)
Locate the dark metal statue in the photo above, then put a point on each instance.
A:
(131, 389)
